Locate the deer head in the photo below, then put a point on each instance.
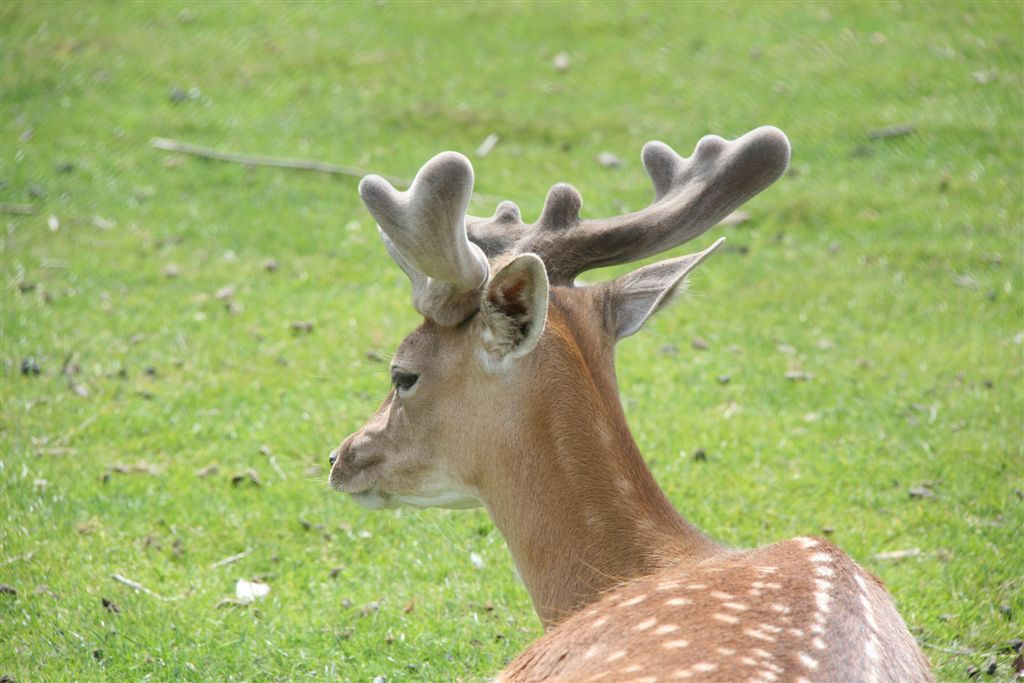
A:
(506, 396)
(504, 327)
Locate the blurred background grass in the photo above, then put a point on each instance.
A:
(184, 313)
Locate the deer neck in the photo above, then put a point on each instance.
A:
(574, 499)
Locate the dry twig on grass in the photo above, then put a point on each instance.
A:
(282, 162)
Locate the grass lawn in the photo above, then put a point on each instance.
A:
(185, 340)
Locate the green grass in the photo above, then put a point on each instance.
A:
(891, 270)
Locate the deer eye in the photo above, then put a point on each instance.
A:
(403, 381)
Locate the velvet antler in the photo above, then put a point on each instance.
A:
(424, 230)
(691, 195)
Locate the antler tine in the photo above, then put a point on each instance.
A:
(691, 195)
(424, 230)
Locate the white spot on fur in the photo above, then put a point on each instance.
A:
(667, 586)
(633, 601)
(676, 602)
(823, 585)
(719, 595)
(818, 643)
(704, 667)
(682, 673)
(696, 586)
(753, 633)
(632, 669)
(780, 608)
(795, 632)
(600, 621)
(765, 570)
(646, 624)
(675, 644)
(749, 661)
(807, 660)
(771, 628)
(754, 592)
(727, 651)
(665, 628)
(822, 599)
(727, 618)
(618, 654)
(763, 654)
(871, 649)
(592, 651)
(737, 606)
(806, 542)
(824, 570)
(821, 557)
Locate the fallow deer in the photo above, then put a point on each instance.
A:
(506, 397)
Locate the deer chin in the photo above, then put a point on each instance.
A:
(453, 500)
(373, 499)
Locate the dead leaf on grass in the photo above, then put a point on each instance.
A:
(967, 282)
(250, 474)
(140, 467)
(893, 131)
(922, 491)
(208, 471)
(896, 555)
(70, 370)
(376, 356)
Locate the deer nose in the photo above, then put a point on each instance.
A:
(333, 456)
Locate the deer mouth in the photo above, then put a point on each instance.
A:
(355, 482)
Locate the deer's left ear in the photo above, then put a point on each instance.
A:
(636, 296)
(514, 306)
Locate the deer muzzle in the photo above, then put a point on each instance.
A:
(353, 465)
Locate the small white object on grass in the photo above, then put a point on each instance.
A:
(487, 145)
(476, 560)
(247, 591)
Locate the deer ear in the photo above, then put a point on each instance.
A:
(514, 307)
(636, 296)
